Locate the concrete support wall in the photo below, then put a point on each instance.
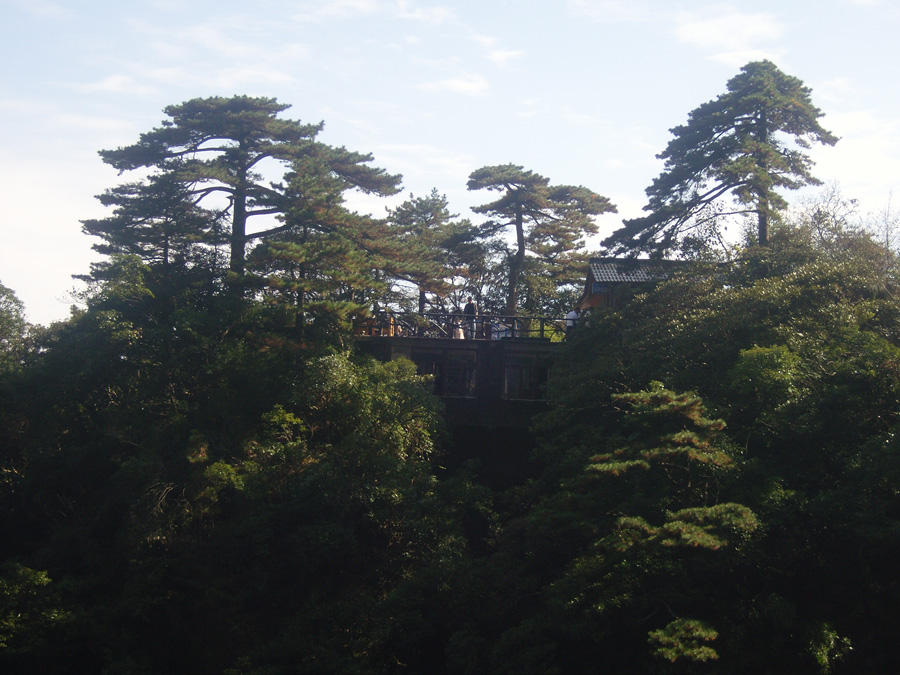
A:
(507, 376)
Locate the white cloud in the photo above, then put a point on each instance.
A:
(502, 56)
(838, 89)
(40, 255)
(425, 159)
(117, 84)
(238, 38)
(437, 14)
(613, 11)
(425, 166)
(331, 9)
(730, 32)
(291, 51)
(25, 106)
(44, 9)
(866, 160)
(485, 41)
(586, 120)
(164, 49)
(213, 39)
(362, 124)
(232, 79)
(72, 131)
(226, 53)
(741, 58)
(347, 7)
(862, 123)
(106, 124)
(172, 76)
(530, 107)
(244, 78)
(167, 5)
(499, 56)
(470, 85)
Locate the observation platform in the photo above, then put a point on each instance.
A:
(498, 377)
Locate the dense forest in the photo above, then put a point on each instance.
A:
(200, 474)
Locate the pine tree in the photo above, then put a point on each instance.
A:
(327, 259)
(734, 145)
(13, 328)
(433, 245)
(548, 220)
(214, 153)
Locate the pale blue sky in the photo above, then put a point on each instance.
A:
(581, 91)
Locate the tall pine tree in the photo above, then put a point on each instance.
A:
(216, 153)
(736, 145)
(548, 220)
(434, 245)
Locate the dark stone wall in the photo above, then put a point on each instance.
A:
(491, 431)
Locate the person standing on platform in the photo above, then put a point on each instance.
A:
(469, 312)
(571, 321)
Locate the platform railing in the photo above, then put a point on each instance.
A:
(460, 326)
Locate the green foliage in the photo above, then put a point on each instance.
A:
(734, 145)
(827, 647)
(795, 346)
(438, 254)
(709, 527)
(217, 484)
(684, 639)
(548, 221)
(317, 259)
(23, 607)
(668, 435)
(226, 477)
(13, 330)
(767, 374)
(160, 222)
(31, 619)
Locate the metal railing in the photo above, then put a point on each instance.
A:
(460, 326)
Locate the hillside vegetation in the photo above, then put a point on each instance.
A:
(198, 473)
(186, 489)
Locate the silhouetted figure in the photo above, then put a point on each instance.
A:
(469, 312)
(571, 321)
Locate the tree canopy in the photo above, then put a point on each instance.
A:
(13, 327)
(710, 487)
(215, 153)
(550, 221)
(737, 146)
(438, 248)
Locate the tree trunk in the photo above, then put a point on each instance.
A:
(515, 266)
(762, 200)
(238, 233)
(763, 223)
(419, 329)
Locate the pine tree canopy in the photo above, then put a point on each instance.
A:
(214, 153)
(550, 221)
(747, 143)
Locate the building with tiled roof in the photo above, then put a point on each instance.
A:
(611, 280)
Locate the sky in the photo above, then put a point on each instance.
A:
(583, 92)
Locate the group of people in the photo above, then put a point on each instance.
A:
(467, 328)
(466, 325)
